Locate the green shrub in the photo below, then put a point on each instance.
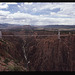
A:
(0, 58)
(6, 60)
(16, 61)
(17, 68)
(14, 68)
(11, 68)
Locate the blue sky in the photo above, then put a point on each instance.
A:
(37, 13)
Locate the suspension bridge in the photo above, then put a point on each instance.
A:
(24, 51)
(58, 35)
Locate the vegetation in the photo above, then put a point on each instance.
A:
(16, 61)
(6, 60)
(2, 41)
(0, 57)
(44, 53)
(14, 68)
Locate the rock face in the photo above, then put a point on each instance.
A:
(11, 55)
(50, 54)
(42, 53)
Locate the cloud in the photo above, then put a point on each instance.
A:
(24, 18)
(3, 6)
(4, 12)
(34, 9)
(28, 3)
(19, 6)
(28, 19)
(11, 3)
(36, 13)
(65, 8)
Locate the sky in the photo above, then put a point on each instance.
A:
(37, 13)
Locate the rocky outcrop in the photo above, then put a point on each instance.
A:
(11, 51)
(50, 54)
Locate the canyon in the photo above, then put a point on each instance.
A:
(36, 53)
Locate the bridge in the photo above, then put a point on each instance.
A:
(24, 50)
(0, 34)
(34, 35)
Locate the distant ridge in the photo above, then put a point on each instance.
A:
(60, 26)
(6, 25)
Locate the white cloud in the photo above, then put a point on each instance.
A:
(4, 12)
(28, 3)
(20, 15)
(65, 8)
(24, 18)
(34, 9)
(11, 3)
(19, 6)
(3, 6)
(66, 14)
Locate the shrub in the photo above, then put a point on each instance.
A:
(17, 68)
(14, 68)
(16, 61)
(6, 60)
(0, 58)
(11, 68)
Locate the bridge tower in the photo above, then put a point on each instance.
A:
(59, 34)
(0, 34)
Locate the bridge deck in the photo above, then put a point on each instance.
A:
(36, 35)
